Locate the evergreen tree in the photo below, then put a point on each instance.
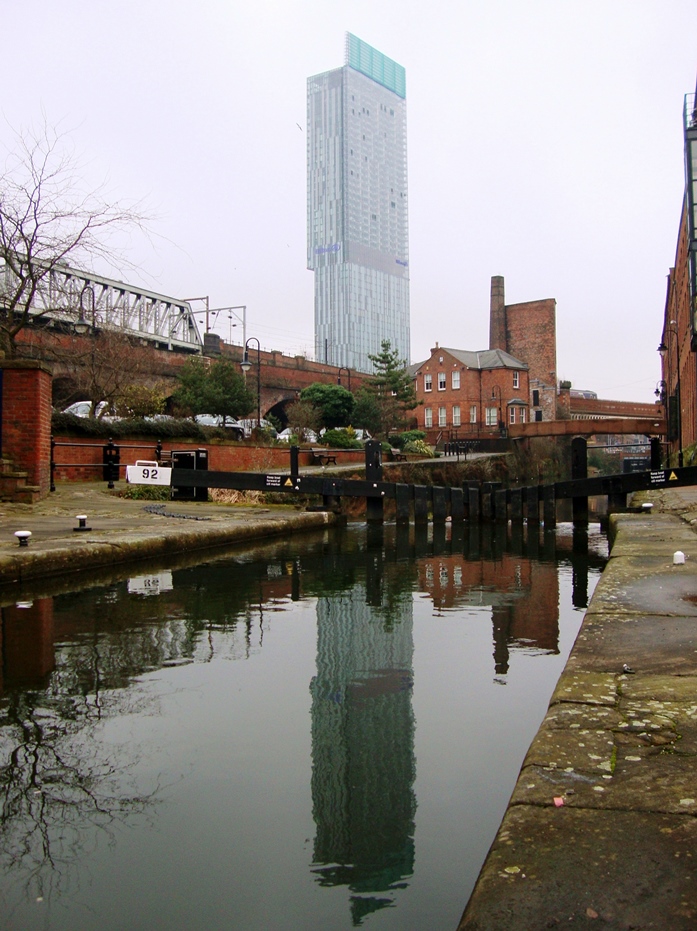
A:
(217, 389)
(335, 404)
(390, 392)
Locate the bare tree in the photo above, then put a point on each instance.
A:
(48, 219)
(104, 366)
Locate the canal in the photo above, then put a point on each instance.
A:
(321, 733)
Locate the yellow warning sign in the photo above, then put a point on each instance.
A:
(288, 482)
(672, 477)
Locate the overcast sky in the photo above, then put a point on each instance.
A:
(544, 145)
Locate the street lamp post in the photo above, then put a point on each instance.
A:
(82, 326)
(672, 329)
(348, 373)
(246, 365)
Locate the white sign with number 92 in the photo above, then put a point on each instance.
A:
(145, 472)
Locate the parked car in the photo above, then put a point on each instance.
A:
(286, 435)
(82, 409)
(235, 428)
(250, 425)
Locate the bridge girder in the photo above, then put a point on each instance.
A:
(71, 296)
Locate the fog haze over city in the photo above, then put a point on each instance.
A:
(544, 145)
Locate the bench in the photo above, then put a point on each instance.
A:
(396, 455)
(322, 457)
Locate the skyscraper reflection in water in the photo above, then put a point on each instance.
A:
(363, 764)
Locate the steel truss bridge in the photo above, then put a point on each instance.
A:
(85, 301)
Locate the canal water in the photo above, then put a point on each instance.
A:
(320, 733)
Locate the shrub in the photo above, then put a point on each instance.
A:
(400, 440)
(341, 439)
(146, 492)
(418, 446)
(171, 428)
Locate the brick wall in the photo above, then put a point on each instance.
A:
(531, 336)
(478, 391)
(587, 408)
(83, 457)
(26, 419)
(678, 357)
(527, 331)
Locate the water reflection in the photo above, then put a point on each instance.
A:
(56, 779)
(70, 665)
(363, 764)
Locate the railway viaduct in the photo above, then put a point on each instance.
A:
(282, 376)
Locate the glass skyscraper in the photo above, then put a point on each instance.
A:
(357, 210)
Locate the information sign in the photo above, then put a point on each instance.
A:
(145, 472)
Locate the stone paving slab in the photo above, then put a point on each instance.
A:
(647, 585)
(648, 644)
(590, 869)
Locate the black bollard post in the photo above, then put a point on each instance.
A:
(579, 469)
(457, 505)
(373, 474)
(52, 486)
(439, 504)
(549, 506)
(402, 502)
(532, 504)
(501, 505)
(655, 453)
(420, 503)
(517, 505)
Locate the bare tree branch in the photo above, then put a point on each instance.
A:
(47, 217)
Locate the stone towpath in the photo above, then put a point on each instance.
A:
(124, 531)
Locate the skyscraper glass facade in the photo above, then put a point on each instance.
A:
(357, 211)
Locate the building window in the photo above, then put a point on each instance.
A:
(442, 418)
(516, 381)
(428, 417)
(511, 414)
(456, 415)
(538, 415)
(491, 418)
(536, 398)
(456, 379)
(428, 382)
(441, 381)
(473, 413)
(523, 415)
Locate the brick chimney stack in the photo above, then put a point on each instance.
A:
(497, 315)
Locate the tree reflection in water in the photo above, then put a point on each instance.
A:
(57, 777)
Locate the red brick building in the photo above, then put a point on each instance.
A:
(677, 389)
(466, 394)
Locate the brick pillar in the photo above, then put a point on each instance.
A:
(25, 435)
(497, 315)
